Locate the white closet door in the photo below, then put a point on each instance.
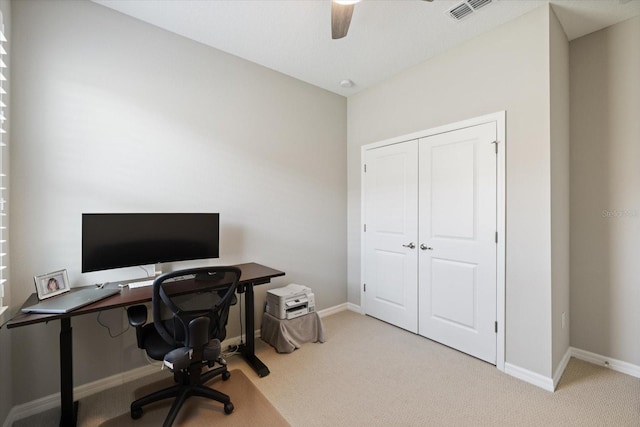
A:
(457, 283)
(390, 240)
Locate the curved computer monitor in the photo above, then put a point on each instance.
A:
(115, 240)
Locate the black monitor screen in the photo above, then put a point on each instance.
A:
(117, 240)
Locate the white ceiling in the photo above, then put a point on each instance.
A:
(385, 38)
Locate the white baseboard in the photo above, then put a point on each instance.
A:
(333, 310)
(561, 367)
(609, 362)
(531, 377)
(550, 384)
(355, 308)
(536, 379)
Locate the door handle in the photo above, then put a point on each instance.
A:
(410, 246)
(425, 247)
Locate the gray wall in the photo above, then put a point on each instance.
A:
(605, 192)
(560, 198)
(505, 69)
(112, 114)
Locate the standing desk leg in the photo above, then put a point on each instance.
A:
(69, 408)
(249, 350)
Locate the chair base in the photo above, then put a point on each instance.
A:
(183, 390)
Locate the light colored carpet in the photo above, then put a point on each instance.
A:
(251, 407)
(369, 373)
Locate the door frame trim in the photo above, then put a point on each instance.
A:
(499, 118)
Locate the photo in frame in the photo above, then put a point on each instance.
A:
(52, 284)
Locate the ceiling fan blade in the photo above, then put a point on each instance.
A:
(340, 19)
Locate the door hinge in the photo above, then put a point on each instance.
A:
(496, 237)
(496, 146)
(365, 287)
(496, 326)
(365, 168)
(365, 228)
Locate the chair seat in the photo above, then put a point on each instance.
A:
(153, 343)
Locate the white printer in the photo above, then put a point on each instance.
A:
(290, 301)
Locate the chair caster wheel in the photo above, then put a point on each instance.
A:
(226, 375)
(136, 413)
(228, 408)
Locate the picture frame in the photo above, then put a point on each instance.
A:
(51, 284)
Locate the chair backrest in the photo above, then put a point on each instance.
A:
(209, 295)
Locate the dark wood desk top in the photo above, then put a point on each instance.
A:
(252, 273)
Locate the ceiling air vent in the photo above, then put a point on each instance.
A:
(467, 8)
(460, 11)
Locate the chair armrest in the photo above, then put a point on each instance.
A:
(137, 315)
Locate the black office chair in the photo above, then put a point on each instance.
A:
(190, 338)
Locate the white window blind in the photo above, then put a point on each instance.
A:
(4, 258)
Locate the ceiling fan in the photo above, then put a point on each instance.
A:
(341, 12)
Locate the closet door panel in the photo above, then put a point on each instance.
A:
(457, 261)
(390, 239)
